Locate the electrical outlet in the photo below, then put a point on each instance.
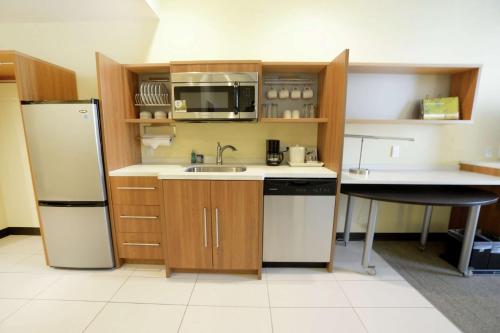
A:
(394, 151)
(488, 152)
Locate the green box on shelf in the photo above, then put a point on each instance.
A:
(440, 108)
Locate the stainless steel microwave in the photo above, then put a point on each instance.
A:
(202, 96)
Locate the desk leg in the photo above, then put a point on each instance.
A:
(469, 234)
(370, 232)
(425, 227)
(348, 220)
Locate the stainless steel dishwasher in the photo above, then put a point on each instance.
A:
(298, 219)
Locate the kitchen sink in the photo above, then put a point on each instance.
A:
(216, 168)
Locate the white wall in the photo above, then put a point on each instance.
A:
(412, 31)
(69, 44)
(73, 44)
(17, 208)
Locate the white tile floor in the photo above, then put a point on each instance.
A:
(138, 298)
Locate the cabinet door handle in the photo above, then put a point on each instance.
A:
(141, 244)
(217, 227)
(205, 225)
(135, 188)
(134, 217)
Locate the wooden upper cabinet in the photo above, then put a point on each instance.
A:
(36, 79)
(332, 105)
(216, 66)
(121, 144)
(188, 225)
(236, 224)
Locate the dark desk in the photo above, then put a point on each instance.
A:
(428, 195)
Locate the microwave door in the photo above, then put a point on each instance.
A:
(205, 101)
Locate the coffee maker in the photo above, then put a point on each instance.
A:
(273, 154)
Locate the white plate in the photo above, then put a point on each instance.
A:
(148, 93)
(306, 164)
(157, 93)
(142, 92)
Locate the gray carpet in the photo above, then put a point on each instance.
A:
(472, 304)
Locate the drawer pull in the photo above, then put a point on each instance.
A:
(135, 217)
(217, 227)
(135, 188)
(142, 244)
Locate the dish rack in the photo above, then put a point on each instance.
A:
(152, 93)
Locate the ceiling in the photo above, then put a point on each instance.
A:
(75, 10)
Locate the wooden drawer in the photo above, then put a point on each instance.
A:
(135, 190)
(140, 245)
(130, 218)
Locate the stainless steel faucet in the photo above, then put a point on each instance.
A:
(220, 150)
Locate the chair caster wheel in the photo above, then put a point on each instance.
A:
(468, 273)
(371, 271)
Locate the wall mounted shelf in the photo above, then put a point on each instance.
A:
(294, 121)
(408, 122)
(149, 121)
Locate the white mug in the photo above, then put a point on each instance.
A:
(297, 154)
(145, 115)
(307, 93)
(284, 93)
(295, 93)
(160, 115)
(272, 93)
(295, 114)
(287, 114)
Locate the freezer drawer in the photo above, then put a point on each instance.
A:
(298, 228)
(77, 237)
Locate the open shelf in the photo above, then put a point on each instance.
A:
(294, 121)
(392, 93)
(408, 122)
(149, 121)
(389, 68)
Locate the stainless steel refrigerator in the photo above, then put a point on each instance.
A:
(65, 150)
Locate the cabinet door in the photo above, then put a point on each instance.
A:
(332, 104)
(236, 224)
(188, 228)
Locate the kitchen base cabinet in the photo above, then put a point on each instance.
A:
(236, 215)
(137, 218)
(213, 225)
(188, 226)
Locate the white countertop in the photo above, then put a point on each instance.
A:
(421, 177)
(253, 172)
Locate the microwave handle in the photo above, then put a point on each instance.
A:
(236, 90)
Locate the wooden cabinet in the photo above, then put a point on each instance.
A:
(236, 217)
(188, 223)
(137, 217)
(213, 225)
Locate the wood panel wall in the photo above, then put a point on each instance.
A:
(489, 216)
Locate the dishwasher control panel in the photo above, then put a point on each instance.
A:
(300, 186)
